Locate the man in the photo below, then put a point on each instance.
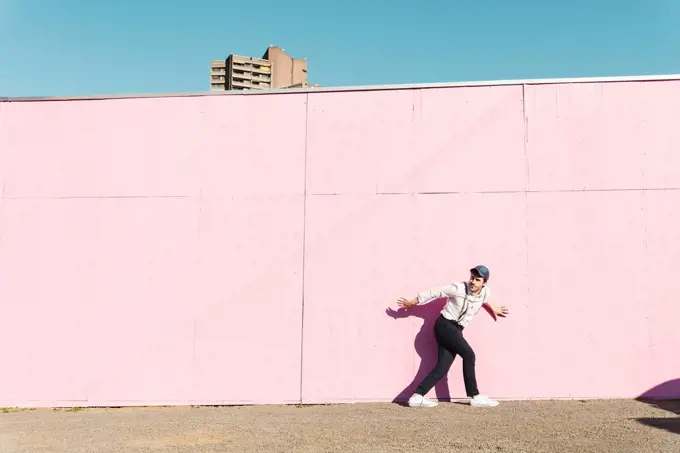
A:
(464, 299)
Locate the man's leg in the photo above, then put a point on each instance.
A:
(444, 362)
(459, 344)
(469, 374)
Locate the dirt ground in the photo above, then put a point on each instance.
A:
(535, 427)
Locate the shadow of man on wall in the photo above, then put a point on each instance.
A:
(425, 346)
(664, 396)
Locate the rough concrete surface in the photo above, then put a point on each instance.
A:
(545, 426)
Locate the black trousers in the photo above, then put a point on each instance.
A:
(451, 342)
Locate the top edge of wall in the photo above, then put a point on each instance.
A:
(649, 78)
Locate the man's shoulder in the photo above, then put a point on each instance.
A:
(460, 287)
(487, 293)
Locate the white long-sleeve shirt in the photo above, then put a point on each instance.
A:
(460, 306)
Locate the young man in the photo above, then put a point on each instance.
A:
(464, 301)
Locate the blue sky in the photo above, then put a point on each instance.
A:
(80, 47)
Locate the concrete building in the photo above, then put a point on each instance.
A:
(218, 75)
(276, 69)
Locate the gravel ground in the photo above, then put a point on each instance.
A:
(546, 426)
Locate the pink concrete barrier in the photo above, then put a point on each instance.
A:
(250, 249)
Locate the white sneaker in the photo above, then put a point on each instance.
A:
(483, 401)
(420, 401)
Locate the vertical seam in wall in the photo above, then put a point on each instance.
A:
(526, 177)
(3, 150)
(198, 262)
(643, 202)
(526, 193)
(304, 251)
(417, 116)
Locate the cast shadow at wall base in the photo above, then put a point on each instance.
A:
(426, 348)
(664, 396)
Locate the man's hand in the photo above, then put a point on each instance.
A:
(502, 312)
(406, 303)
(496, 312)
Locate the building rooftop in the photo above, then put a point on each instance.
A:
(316, 89)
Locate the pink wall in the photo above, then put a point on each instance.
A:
(176, 251)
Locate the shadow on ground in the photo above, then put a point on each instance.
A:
(668, 424)
(664, 396)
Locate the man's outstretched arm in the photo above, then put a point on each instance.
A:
(428, 296)
(495, 311)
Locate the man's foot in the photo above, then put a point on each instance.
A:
(420, 401)
(482, 401)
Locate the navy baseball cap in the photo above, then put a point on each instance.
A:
(482, 271)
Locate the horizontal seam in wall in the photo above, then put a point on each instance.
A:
(122, 197)
(490, 192)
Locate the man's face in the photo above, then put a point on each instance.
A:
(476, 282)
